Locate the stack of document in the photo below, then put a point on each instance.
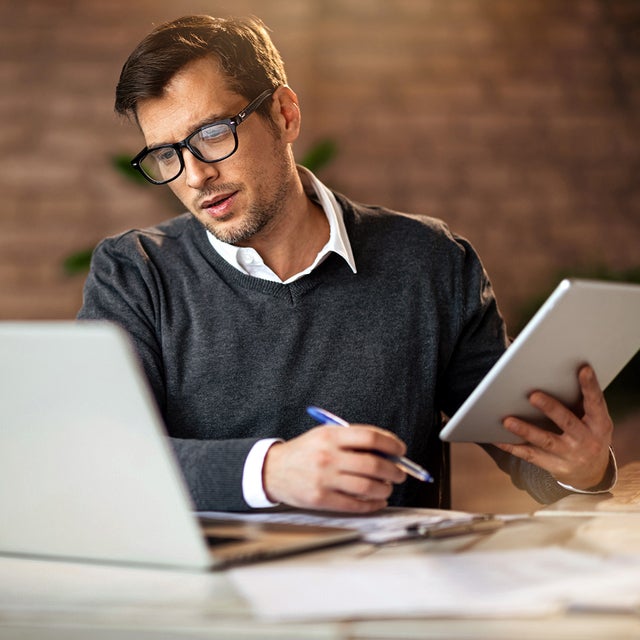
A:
(391, 524)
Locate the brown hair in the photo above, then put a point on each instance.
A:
(242, 46)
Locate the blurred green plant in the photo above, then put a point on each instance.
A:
(122, 164)
(318, 156)
(77, 262)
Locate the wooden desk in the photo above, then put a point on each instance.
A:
(624, 498)
(57, 600)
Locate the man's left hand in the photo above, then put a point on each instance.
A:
(579, 455)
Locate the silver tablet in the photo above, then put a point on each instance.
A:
(583, 321)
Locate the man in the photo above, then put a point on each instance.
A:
(273, 293)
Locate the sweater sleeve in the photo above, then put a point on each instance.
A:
(480, 340)
(537, 482)
(474, 335)
(122, 288)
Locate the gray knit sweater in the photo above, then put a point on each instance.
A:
(232, 358)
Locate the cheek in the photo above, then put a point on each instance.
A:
(183, 194)
(180, 191)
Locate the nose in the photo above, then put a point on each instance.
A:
(197, 173)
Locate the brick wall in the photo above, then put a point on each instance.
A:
(514, 121)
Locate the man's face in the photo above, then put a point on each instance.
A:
(243, 196)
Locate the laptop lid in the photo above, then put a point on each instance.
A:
(582, 321)
(87, 470)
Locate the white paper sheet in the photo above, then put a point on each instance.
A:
(482, 584)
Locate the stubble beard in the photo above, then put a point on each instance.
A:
(259, 217)
(262, 214)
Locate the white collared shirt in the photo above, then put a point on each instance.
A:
(249, 261)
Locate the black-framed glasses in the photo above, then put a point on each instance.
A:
(211, 143)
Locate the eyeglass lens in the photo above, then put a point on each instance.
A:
(211, 143)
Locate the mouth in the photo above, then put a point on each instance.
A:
(219, 205)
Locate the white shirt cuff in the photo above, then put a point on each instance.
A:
(614, 480)
(252, 487)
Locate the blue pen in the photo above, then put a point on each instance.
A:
(410, 467)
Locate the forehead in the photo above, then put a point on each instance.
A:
(197, 94)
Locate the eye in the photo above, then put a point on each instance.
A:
(163, 155)
(214, 133)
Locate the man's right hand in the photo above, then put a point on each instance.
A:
(334, 468)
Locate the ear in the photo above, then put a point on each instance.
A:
(286, 113)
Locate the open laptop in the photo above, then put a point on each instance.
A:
(582, 321)
(86, 469)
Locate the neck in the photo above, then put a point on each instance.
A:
(293, 241)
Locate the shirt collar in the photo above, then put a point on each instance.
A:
(247, 260)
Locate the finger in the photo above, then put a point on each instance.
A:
(540, 447)
(339, 501)
(329, 489)
(369, 465)
(554, 464)
(524, 452)
(540, 438)
(370, 438)
(596, 414)
(364, 488)
(558, 413)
